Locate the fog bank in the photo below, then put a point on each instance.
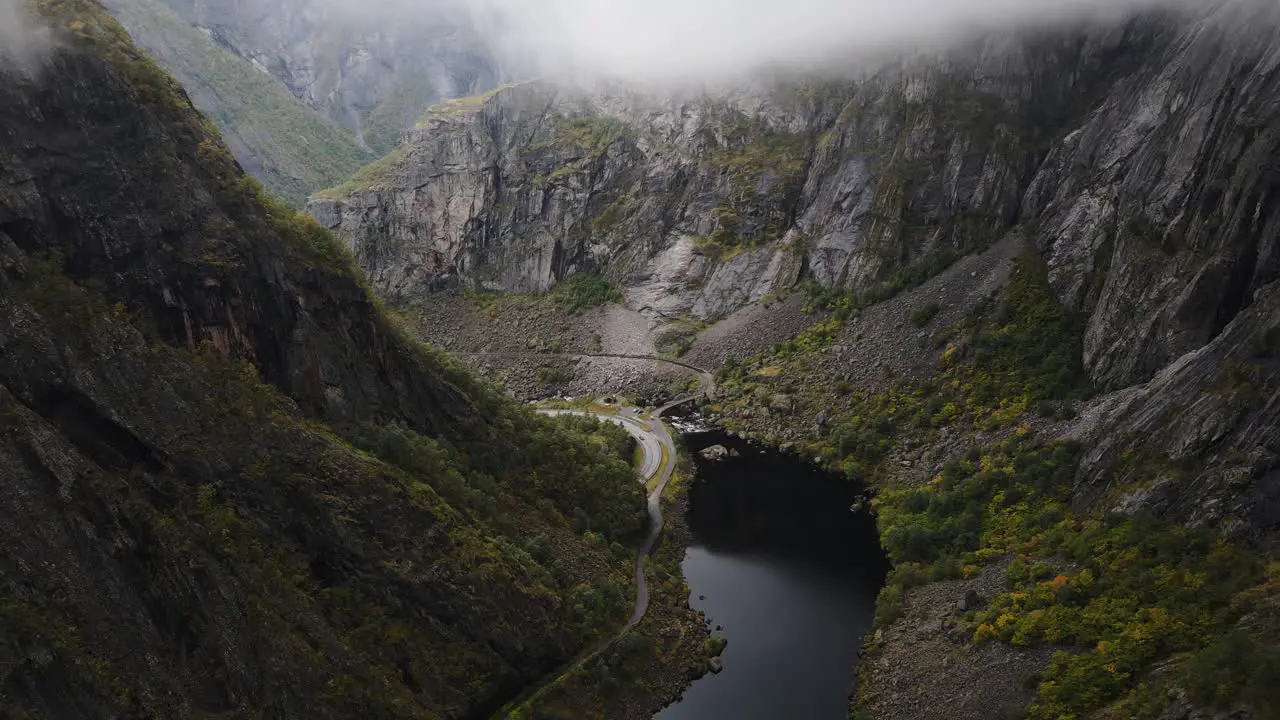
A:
(706, 40)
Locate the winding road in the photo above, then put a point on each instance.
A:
(655, 469)
(657, 463)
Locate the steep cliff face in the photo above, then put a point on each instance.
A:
(233, 486)
(1207, 423)
(1158, 212)
(1105, 143)
(700, 205)
(518, 189)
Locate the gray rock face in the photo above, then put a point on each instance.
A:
(1213, 415)
(1149, 189)
(701, 205)
(535, 182)
(1157, 214)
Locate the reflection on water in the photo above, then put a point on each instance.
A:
(790, 574)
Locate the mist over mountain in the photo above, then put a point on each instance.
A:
(22, 41)
(707, 40)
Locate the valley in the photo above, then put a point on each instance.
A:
(354, 362)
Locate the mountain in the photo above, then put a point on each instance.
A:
(1104, 143)
(233, 485)
(275, 137)
(369, 69)
(305, 93)
(1026, 292)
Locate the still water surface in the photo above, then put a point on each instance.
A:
(780, 563)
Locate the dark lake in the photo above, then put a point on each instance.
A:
(789, 573)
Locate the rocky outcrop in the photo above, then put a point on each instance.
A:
(1158, 212)
(517, 190)
(1205, 427)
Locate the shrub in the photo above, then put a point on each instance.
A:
(1029, 347)
(584, 290)
(1237, 666)
(888, 605)
(553, 375)
(925, 314)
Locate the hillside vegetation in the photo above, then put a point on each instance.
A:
(235, 486)
(1141, 609)
(291, 148)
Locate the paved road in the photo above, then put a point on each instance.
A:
(654, 438)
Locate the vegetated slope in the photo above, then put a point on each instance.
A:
(1056, 552)
(371, 69)
(232, 486)
(287, 145)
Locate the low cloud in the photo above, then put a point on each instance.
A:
(705, 40)
(24, 41)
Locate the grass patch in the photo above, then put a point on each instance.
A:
(372, 176)
(924, 314)
(592, 134)
(584, 290)
(460, 107)
(549, 375)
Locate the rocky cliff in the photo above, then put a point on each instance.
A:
(1106, 143)
(518, 189)
(233, 486)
